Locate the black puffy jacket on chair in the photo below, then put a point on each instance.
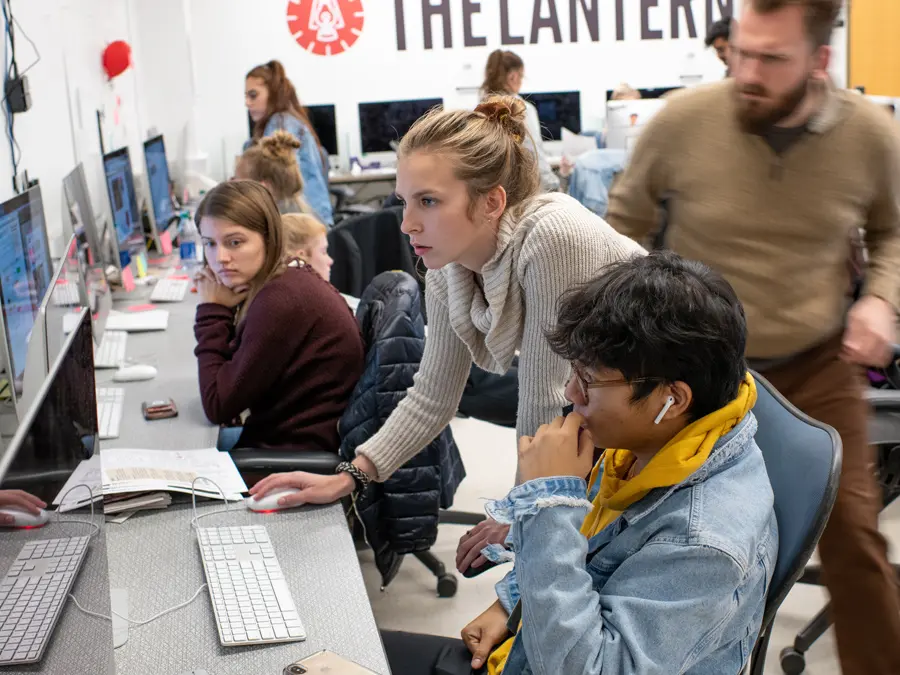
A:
(400, 516)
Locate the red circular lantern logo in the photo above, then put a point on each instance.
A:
(325, 27)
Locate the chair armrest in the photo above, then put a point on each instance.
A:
(273, 461)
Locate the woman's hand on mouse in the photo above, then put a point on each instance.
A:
(214, 291)
(314, 488)
(19, 499)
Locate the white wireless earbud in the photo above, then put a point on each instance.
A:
(662, 413)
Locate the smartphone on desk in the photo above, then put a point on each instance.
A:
(159, 410)
(326, 663)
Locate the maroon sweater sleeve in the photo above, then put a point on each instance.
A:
(234, 373)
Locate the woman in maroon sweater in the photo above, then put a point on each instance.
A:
(273, 337)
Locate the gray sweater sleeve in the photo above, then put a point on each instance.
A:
(558, 255)
(433, 399)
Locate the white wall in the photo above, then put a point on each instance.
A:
(230, 37)
(70, 36)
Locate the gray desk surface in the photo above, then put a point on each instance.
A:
(80, 643)
(154, 555)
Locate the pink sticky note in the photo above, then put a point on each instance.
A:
(183, 277)
(128, 279)
(166, 240)
(140, 308)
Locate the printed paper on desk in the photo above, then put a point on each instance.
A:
(575, 145)
(86, 473)
(165, 239)
(133, 470)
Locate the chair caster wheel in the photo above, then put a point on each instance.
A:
(792, 661)
(446, 586)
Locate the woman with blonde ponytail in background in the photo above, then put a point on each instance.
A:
(504, 74)
(273, 104)
(499, 255)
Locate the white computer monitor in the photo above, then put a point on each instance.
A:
(26, 274)
(90, 256)
(66, 295)
(127, 227)
(163, 211)
(624, 117)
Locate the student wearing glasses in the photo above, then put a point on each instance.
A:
(661, 561)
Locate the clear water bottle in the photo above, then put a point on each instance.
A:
(190, 244)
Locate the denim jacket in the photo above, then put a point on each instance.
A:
(676, 584)
(312, 169)
(592, 178)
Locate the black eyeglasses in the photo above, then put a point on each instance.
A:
(584, 385)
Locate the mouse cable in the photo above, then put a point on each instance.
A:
(91, 522)
(211, 513)
(137, 622)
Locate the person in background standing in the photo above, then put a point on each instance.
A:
(273, 104)
(504, 74)
(769, 175)
(719, 38)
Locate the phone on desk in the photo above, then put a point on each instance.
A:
(159, 410)
(326, 663)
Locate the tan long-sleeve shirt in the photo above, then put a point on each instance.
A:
(777, 227)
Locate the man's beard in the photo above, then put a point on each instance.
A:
(756, 117)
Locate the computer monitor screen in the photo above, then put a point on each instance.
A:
(557, 110)
(322, 118)
(35, 241)
(158, 178)
(381, 123)
(122, 199)
(624, 119)
(20, 291)
(60, 429)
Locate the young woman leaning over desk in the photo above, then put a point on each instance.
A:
(273, 337)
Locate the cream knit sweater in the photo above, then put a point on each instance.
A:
(554, 244)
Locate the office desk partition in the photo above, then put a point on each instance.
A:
(155, 557)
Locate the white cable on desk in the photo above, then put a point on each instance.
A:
(137, 622)
(62, 501)
(211, 513)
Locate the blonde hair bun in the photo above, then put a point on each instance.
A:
(280, 146)
(506, 111)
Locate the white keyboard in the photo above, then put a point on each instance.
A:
(111, 352)
(33, 593)
(110, 405)
(65, 295)
(136, 322)
(250, 598)
(170, 290)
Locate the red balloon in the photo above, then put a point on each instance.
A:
(116, 58)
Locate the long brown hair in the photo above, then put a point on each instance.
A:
(485, 147)
(499, 65)
(282, 98)
(273, 161)
(249, 204)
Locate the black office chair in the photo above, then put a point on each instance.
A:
(803, 459)
(884, 435)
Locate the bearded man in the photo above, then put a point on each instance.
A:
(766, 177)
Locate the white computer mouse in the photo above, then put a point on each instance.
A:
(22, 518)
(134, 373)
(270, 501)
